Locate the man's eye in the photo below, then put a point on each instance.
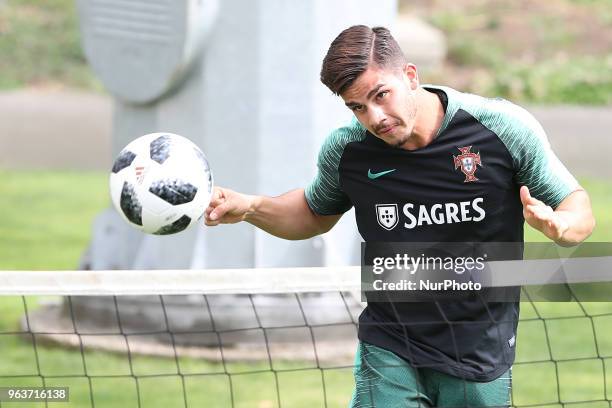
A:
(357, 108)
(382, 94)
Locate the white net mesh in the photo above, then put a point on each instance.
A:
(248, 338)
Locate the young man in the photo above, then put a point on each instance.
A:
(457, 168)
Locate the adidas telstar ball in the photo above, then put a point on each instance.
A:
(161, 183)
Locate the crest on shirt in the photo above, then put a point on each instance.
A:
(468, 163)
(387, 215)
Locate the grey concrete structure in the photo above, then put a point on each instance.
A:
(240, 79)
(251, 100)
(142, 50)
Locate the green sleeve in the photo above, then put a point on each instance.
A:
(536, 165)
(324, 194)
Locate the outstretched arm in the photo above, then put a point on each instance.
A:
(287, 216)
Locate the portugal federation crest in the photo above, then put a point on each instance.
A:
(468, 162)
(387, 215)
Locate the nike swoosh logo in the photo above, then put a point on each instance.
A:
(373, 176)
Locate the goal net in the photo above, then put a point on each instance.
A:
(247, 338)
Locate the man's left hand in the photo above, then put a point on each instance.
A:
(542, 217)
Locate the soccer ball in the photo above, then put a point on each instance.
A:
(161, 183)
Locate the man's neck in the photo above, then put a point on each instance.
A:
(429, 117)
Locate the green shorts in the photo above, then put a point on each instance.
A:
(384, 380)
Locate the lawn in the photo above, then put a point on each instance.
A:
(564, 350)
(40, 45)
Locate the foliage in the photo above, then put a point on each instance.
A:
(40, 45)
(554, 52)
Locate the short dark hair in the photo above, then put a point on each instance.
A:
(352, 53)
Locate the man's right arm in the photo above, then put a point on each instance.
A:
(287, 216)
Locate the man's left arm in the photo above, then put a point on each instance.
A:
(569, 224)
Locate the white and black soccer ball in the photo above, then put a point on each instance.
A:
(161, 183)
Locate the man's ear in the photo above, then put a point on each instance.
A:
(411, 75)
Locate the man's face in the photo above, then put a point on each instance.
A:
(384, 102)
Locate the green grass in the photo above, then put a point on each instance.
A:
(586, 80)
(114, 384)
(40, 44)
(564, 331)
(501, 50)
(47, 217)
(47, 223)
(563, 338)
(600, 192)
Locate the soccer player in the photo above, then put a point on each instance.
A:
(424, 164)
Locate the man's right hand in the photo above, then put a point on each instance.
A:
(227, 207)
(287, 216)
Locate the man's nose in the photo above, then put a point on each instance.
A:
(377, 116)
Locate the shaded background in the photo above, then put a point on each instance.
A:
(553, 57)
(55, 118)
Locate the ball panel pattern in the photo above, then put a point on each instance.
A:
(124, 160)
(176, 226)
(130, 205)
(158, 178)
(160, 149)
(210, 182)
(174, 191)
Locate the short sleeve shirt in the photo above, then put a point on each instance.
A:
(462, 187)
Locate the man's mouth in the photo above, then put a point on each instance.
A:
(386, 129)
